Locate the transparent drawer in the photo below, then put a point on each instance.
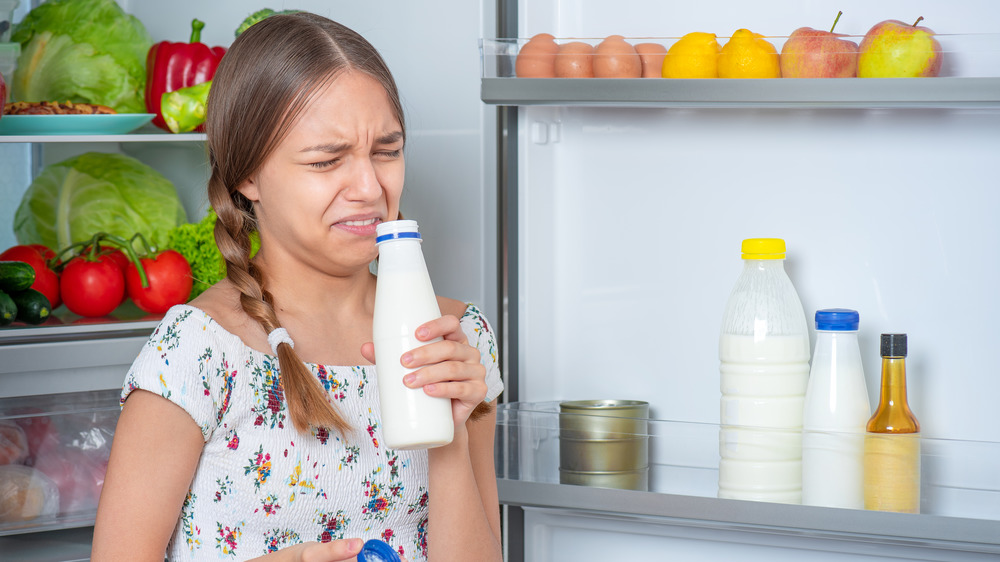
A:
(53, 454)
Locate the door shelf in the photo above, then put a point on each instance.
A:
(942, 92)
(960, 508)
(131, 137)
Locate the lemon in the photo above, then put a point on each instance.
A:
(748, 55)
(693, 56)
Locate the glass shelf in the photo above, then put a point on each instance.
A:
(970, 78)
(131, 137)
(960, 501)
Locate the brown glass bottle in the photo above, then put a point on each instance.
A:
(892, 442)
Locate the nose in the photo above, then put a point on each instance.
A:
(365, 185)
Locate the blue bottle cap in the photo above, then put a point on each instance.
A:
(375, 550)
(837, 319)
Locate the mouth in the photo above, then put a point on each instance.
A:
(360, 226)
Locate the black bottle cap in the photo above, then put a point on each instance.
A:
(893, 345)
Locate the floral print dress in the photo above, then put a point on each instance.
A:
(260, 484)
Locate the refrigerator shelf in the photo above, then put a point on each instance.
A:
(960, 506)
(942, 92)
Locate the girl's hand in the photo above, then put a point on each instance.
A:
(449, 368)
(344, 550)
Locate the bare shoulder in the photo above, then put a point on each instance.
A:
(451, 306)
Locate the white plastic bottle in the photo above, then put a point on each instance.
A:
(764, 370)
(835, 415)
(404, 299)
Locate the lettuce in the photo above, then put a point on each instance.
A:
(72, 200)
(87, 51)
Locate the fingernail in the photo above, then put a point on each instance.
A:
(421, 332)
(357, 544)
(430, 388)
(407, 358)
(408, 379)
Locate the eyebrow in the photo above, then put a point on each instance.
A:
(333, 148)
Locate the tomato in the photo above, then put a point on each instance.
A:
(92, 288)
(35, 255)
(117, 256)
(169, 276)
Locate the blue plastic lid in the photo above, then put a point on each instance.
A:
(395, 230)
(837, 319)
(375, 550)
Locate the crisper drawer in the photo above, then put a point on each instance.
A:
(53, 455)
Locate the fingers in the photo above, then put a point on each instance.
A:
(447, 327)
(334, 551)
(451, 379)
(439, 351)
(368, 352)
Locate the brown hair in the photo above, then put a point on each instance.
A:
(265, 80)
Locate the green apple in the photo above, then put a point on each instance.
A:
(893, 49)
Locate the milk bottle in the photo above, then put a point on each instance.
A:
(764, 354)
(404, 299)
(835, 415)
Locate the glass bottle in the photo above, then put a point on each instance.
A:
(892, 442)
(405, 299)
(764, 370)
(836, 413)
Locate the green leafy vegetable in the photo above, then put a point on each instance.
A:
(196, 242)
(94, 192)
(260, 15)
(87, 51)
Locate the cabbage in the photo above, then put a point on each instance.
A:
(72, 200)
(86, 51)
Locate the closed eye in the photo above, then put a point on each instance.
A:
(324, 164)
(390, 154)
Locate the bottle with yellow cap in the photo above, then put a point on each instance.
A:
(764, 371)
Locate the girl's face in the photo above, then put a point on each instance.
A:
(337, 174)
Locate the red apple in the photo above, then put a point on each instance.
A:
(813, 53)
(893, 49)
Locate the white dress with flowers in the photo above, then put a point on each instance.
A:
(261, 485)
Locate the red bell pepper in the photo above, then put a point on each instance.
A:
(172, 66)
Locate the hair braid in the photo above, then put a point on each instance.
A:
(308, 405)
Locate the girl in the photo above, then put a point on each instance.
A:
(250, 420)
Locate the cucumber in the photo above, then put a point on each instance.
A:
(32, 306)
(8, 310)
(15, 276)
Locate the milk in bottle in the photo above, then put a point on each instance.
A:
(764, 370)
(404, 299)
(835, 415)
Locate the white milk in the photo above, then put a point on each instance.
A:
(763, 385)
(836, 411)
(404, 299)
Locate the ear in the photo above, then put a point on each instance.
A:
(249, 190)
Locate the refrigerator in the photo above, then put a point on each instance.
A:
(597, 223)
(623, 206)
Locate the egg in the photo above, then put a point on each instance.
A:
(537, 58)
(575, 60)
(651, 55)
(616, 58)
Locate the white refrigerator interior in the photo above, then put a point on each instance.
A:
(630, 220)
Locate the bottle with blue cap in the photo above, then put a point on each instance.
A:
(404, 300)
(375, 550)
(835, 413)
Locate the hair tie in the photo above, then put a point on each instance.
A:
(277, 336)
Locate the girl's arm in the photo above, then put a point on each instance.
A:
(154, 456)
(153, 459)
(464, 508)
